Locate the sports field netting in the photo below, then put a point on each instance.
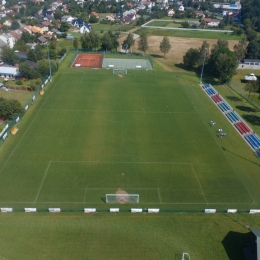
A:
(143, 64)
(146, 133)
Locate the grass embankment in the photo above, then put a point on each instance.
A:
(189, 34)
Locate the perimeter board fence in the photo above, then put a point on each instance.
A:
(145, 210)
(134, 56)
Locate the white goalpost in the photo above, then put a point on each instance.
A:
(119, 71)
(122, 198)
(185, 256)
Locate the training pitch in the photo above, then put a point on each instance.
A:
(147, 132)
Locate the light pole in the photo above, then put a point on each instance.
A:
(203, 65)
(49, 61)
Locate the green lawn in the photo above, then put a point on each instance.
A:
(147, 132)
(190, 34)
(123, 236)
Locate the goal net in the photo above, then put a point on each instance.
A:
(119, 71)
(122, 198)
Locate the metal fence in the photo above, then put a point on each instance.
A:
(114, 63)
(117, 55)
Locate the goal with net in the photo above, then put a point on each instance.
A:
(119, 71)
(122, 198)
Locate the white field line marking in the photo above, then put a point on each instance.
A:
(116, 111)
(109, 162)
(159, 196)
(43, 179)
(28, 127)
(124, 188)
(199, 183)
(82, 78)
(221, 148)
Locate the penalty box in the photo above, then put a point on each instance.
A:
(89, 182)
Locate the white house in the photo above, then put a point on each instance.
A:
(67, 18)
(213, 24)
(181, 8)
(7, 23)
(8, 39)
(170, 12)
(84, 29)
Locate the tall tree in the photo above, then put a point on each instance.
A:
(128, 42)
(75, 43)
(240, 49)
(222, 62)
(9, 107)
(109, 41)
(9, 57)
(253, 50)
(251, 86)
(15, 25)
(192, 57)
(143, 43)
(165, 45)
(222, 43)
(31, 55)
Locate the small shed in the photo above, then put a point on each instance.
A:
(249, 64)
(9, 72)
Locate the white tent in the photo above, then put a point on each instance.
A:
(251, 77)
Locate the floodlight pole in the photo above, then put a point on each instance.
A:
(183, 256)
(203, 65)
(49, 60)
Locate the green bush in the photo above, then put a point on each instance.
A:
(19, 82)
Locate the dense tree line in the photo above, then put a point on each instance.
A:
(220, 62)
(93, 41)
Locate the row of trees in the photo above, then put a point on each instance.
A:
(109, 42)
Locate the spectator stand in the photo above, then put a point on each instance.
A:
(238, 123)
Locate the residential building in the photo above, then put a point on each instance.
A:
(8, 39)
(95, 14)
(67, 18)
(234, 8)
(211, 22)
(8, 23)
(249, 64)
(170, 12)
(21, 55)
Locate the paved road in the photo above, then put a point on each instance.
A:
(180, 29)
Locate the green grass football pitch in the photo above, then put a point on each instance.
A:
(148, 132)
(94, 133)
